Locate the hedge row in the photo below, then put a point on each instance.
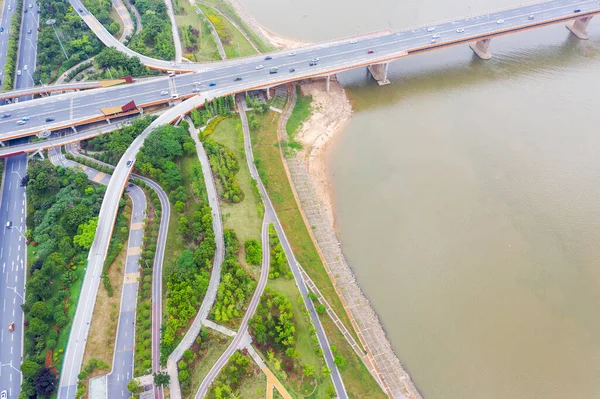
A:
(13, 47)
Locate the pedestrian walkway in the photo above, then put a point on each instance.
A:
(219, 328)
(272, 381)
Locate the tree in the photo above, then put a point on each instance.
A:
(45, 383)
(87, 232)
(179, 207)
(161, 379)
(308, 370)
(30, 368)
(320, 308)
(40, 310)
(134, 386)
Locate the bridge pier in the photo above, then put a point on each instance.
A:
(268, 93)
(480, 47)
(579, 26)
(40, 153)
(379, 73)
(328, 83)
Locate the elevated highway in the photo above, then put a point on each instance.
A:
(373, 51)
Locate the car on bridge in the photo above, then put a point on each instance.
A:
(259, 67)
(273, 70)
(129, 162)
(237, 79)
(292, 70)
(49, 119)
(268, 57)
(164, 92)
(7, 115)
(530, 17)
(291, 54)
(370, 51)
(460, 30)
(353, 41)
(25, 118)
(500, 21)
(313, 63)
(576, 10)
(21, 123)
(431, 29)
(212, 84)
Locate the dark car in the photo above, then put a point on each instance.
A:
(268, 57)
(49, 119)
(80, 9)
(211, 84)
(6, 116)
(312, 63)
(129, 162)
(1, 29)
(237, 79)
(25, 11)
(292, 70)
(370, 52)
(576, 10)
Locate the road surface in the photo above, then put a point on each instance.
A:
(13, 260)
(5, 23)
(335, 56)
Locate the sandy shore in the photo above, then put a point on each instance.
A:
(273, 38)
(331, 112)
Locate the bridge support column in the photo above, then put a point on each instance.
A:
(268, 93)
(2, 144)
(579, 27)
(40, 153)
(480, 47)
(328, 83)
(379, 73)
(74, 129)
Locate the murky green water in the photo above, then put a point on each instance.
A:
(468, 200)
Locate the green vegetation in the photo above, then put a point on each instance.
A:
(196, 39)
(80, 68)
(358, 381)
(156, 38)
(300, 113)
(114, 145)
(101, 10)
(207, 348)
(119, 236)
(89, 368)
(234, 42)
(143, 333)
(78, 41)
(244, 218)
(167, 157)
(61, 205)
(226, 9)
(235, 287)
(279, 264)
(115, 64)
(12, 47)
(253, 252)
(2, 161)
(239, 369)
(224, 166)
(272, 172)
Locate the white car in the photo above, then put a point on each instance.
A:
(164, 92)
(500, 21)
(25, 68)
(353, 41)
(259, 67)
(19, 72)
(31, 5)
(431, 29)
(460, 30)
(292, 54)
(435, 36)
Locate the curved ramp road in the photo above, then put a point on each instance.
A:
(161, 242)
(122, 366)
(76, 108)
(106, 219)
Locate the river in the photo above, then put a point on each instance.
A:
(467, 199)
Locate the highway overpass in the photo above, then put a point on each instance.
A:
(374, 51)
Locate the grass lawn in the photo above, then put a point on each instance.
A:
(304, 342)
(207, 48)
(243, 217)
(115, 17)
(300, 113)
(270, 168)
(234, 43)
(278, 102)
(255, 386)
(175, 244)
(358, 381)
(217, 343)
(224, 6)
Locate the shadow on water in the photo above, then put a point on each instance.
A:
(458, 67)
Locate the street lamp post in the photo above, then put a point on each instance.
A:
(51, 22)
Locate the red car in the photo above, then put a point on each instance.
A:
(370, 52)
